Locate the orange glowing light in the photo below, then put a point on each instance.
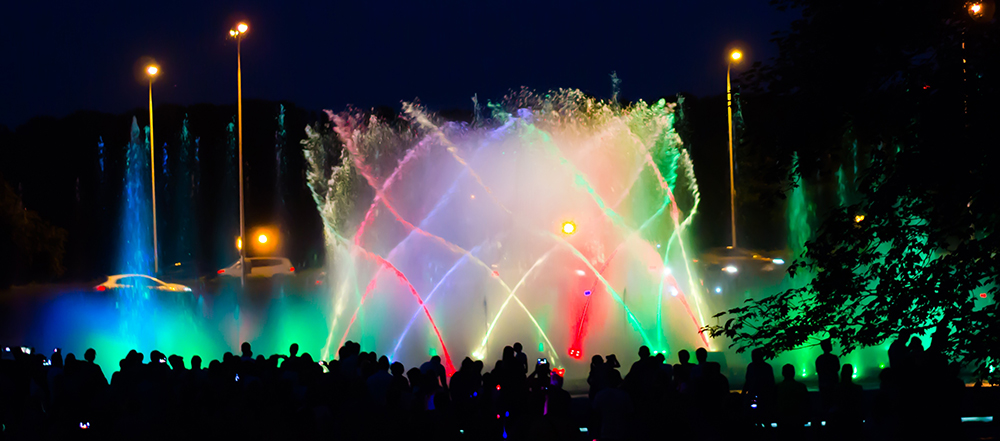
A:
(859, 218)
(242, 27)
(239, 243)
(736, 55)
(152, 70)
(262, 238)
(975, 8)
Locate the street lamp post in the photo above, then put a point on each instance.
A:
(734, 57)
(152, 70)
(238, 34)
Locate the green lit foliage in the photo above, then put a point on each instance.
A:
(926, 246)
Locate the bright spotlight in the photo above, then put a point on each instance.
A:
(975, 8)
(778, 261)
(152, 70)
(242, 27)
(262, 238)
(568, 228)
(718, 290)
(666, 271)
(736, 55)
(673, 291)
(581, 273)
(731, 269)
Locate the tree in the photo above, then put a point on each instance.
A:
(919, 251)
(30, 248)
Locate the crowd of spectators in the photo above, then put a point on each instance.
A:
(360, 395)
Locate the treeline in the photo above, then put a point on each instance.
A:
(70, 172)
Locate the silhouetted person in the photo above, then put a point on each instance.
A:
(759, 383)
(697, 370)
(847, 413)
(791, 403)
(642, 367)
(378, 382)
(598, 376)
(247, 353)
(521, 357)
(95, 374)
(827, 369)
(915, 352)
(614, 410)
(291, 360)
(434, 371)
(898, 352)
(682, 372)
(195, 363)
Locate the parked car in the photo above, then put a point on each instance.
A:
(261, 267)
(127, 281)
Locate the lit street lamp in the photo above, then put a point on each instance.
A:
(152, 70)
(238, 35)
(734, 57)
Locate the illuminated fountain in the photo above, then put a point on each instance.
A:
(560, 222)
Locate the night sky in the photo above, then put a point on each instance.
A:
(61, 56)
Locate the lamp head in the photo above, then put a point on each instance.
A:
(152, 70)
(736, 55)
(240, 29)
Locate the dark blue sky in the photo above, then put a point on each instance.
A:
(62, 56)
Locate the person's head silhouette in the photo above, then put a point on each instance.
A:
(195, 362)
(916, 344)
(643, 352)
(788, 371)
(436, 360)
(684, 356)
(383, 363)
(156, 356)
(826, 345)
(518, 347)
(397, 369)
(847, 373)
(660, 358)
(612, 361)
(596, 360)
(245, 349)
(176, 362)
(701, 354)
(757, 355)
(293, 350)
(90, 355)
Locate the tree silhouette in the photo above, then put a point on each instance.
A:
(919, 251)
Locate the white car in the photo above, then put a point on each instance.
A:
(125, 281)
(261, 267)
